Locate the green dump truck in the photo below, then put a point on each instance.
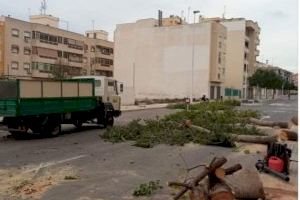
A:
(42, 106)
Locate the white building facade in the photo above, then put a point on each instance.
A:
(170, 61)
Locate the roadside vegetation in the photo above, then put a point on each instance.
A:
(147, 189)
(217, 122)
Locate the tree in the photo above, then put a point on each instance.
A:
(265, 78)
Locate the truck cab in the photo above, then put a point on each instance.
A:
(107, 89)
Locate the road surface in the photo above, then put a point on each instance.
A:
(79, 165)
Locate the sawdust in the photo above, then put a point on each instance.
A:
(31, 181)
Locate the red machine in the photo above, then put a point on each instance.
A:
(277, 161)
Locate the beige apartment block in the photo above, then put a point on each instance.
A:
(174, 60)
(39, 49)
(241, 53)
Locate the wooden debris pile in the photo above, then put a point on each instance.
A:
(210, 184)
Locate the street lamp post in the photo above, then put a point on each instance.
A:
(193, 52)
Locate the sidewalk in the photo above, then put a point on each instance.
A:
(143, 107)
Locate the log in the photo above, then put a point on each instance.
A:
(221, 191)
(254, 139)
(189, 124)
(294, 120)
(233, 169)
(220, 173)
(213, 166)
(246, 185)
(198, 193)
(289, 134)
(268, 123)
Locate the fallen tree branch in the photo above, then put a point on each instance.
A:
(233, 169)
(254, 139)
(268, 123)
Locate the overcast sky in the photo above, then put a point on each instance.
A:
(278, 19)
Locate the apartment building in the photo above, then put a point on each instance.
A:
(285, 74)
(39, 49)
(170, 59)
(241, 53)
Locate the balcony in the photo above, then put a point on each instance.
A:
(35, 73)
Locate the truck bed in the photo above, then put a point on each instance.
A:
(25, 97)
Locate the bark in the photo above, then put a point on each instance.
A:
(233, 169)
(294, 120)
(289, 134)
(254, 139)
(221, 191)
(268, 123)
(247, 185)
(199, 128)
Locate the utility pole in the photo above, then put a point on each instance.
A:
(193, 56)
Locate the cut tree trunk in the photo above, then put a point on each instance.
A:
(268, 123)
(254, 139)
(241, 185)
(290, 134)
(294, 120)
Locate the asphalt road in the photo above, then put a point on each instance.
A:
(101, 170)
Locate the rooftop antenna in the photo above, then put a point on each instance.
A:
(43, 7)
(224, 12)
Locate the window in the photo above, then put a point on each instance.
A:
(59, 53)
(92, 49)
(66, 54)
(98, 83)
(59, 40)
(245, 56)
(219, 76)
(220, 44)
(15, 32)
(27, 34)
(27, 51)
(219, 57)
(121, 87)
(33, 34)
(26, 66)
(14, 65)
(111, 83)
(247, 44)
(95, 36)
(15, 49)
(65, 40)
(245, 67)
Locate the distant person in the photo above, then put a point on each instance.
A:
(203, 98)
(289, 95)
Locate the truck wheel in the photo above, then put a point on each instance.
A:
(54, 131)
(109, 122)
(78, 123)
